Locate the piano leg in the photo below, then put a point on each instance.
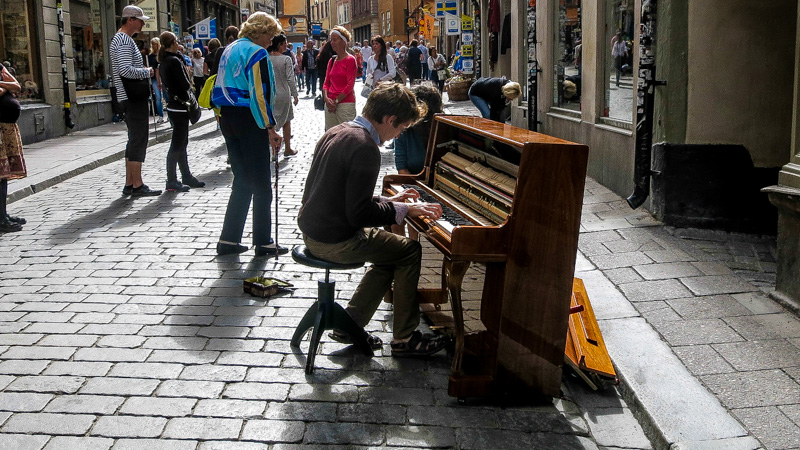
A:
(453, 273)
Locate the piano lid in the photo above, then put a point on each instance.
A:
(499, 131)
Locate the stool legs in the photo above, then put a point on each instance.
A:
(326, 314)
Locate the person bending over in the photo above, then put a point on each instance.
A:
(491, 95)
(339, 217)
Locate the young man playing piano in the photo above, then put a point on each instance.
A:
(339, 215)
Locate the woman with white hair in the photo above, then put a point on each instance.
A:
(245, 93)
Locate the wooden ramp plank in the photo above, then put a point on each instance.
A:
(590, 349)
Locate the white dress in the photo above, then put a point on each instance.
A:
(285, 89)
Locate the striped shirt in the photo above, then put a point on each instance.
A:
(126, 61)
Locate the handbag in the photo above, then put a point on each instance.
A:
(192, 107)
(10, 108)
(319, 103)
(367, 89)
(205, 95)
(442, 74)
(137, 89)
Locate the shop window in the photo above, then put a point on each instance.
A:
(18, 46)
(618, 66)
(568, 55)
(87, 47)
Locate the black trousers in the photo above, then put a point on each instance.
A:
(177, 148)
(136, 117)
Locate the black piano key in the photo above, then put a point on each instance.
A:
(448, 213)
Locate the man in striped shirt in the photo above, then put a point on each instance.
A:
(127, 62)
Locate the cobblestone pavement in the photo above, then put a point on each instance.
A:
(120, 328)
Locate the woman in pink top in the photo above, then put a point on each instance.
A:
(340, 100)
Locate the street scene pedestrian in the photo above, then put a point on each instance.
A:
(198, 71)
(132, 84)
(248, 124)
(340, 98)
(366, 54)
(298, 68)
(179, 91)
(285, 90)
(323, 58)
(438, 65)
(492, 95)
(310, 68)
(380, 65)
(12, 161)
(414, 62)
(155, 80)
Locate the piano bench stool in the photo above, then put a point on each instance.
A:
(326, 314)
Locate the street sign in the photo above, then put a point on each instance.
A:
(446, 7)
(150, 10)
(467, 65)
(316, 29)
(466, 23)
(466, 51)
(202, 30)
(467, 38)
(452, 25)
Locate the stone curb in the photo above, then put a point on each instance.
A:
(163, 136)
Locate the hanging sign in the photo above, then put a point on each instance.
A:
(202, 30)
(466, 51)
(467, 38)
(467, 65)
(150, 10)
(452, 25)
(466, 23)
(444, 7)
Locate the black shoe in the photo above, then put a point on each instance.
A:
(144, 191)
(230, 249)
(271, 250)
(193, 182)
(176, 186)
(6, 226)
(419, 345)
(18, 220)
(127, 190)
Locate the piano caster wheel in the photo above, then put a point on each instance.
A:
(462, 400)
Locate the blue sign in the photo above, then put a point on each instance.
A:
(316, 29)
(446, 7)
(214, 28)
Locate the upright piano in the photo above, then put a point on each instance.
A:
(512, 200)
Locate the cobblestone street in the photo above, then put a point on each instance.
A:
(121, 328)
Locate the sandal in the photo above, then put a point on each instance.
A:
(419, 345)
(344, 338)
(6, 226)
(289, 152)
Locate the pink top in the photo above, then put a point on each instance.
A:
(341, 77)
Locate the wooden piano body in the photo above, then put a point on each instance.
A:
(529, 258)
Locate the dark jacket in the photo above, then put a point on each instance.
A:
(175, 81)
(314, 53)
(338, 200)
(491, 90)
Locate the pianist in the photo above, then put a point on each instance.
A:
(339, 216)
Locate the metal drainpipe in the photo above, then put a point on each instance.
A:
(645, 99)
(65, 80)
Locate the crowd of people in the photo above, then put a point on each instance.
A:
(258, 75)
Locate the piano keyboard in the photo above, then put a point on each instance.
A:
(450, 217)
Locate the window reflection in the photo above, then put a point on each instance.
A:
(87, 46)
(568, 55)
(618, 65)
(18, 46)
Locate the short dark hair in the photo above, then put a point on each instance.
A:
(392, 99)
(277, 40)
(232, 32)
(414, 43)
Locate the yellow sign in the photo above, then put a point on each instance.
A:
(466, 23)
(466, 51)
(426, 26)
(150, 10)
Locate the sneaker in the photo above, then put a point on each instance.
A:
(160, 120)
(127, 190)
(271, 250)
(225, 248)
(176, 186)
(193, 182)
(144, 191)
(419, 345)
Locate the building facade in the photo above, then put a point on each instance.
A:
(365, 19)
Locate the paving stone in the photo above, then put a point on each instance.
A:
(388, 395)
(203, 428)
(696, 332)
(661, 271)
(111, 328)
(740, 443)
(792, 412)
(371, 413)
(770, 426)
(112, 354)
(622, 275)
(235, 409)
(39, 352)
(129, 426)
(669, 255)
(646, 291)
(22, 441)
(305, 411)
(246, 345)
(44, 383)
(119, 386)
(702, 360)
(5, 380)
(420, 436)
(146, 370)
(717, 284)
(55, 328)
(213, 372)
(710, 307)
(251, 359)
(617, 427)
(194, 389)
(345, 433)
(121, 341)
(759, 355)
(323, 393)
(257, 391)
(617, 260)
(83, 443)
(47, 423)
(479, 439)
(78, 340)
(233, 445)
(758, 303)
(452, 417)
(19, 339)
(154, 444)
(766, 326)
(84, 404)
(168, 343)
(157, 406)
(747, 389)
(657, 311)
(23, 402)
(22, 367)
(183, 356)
